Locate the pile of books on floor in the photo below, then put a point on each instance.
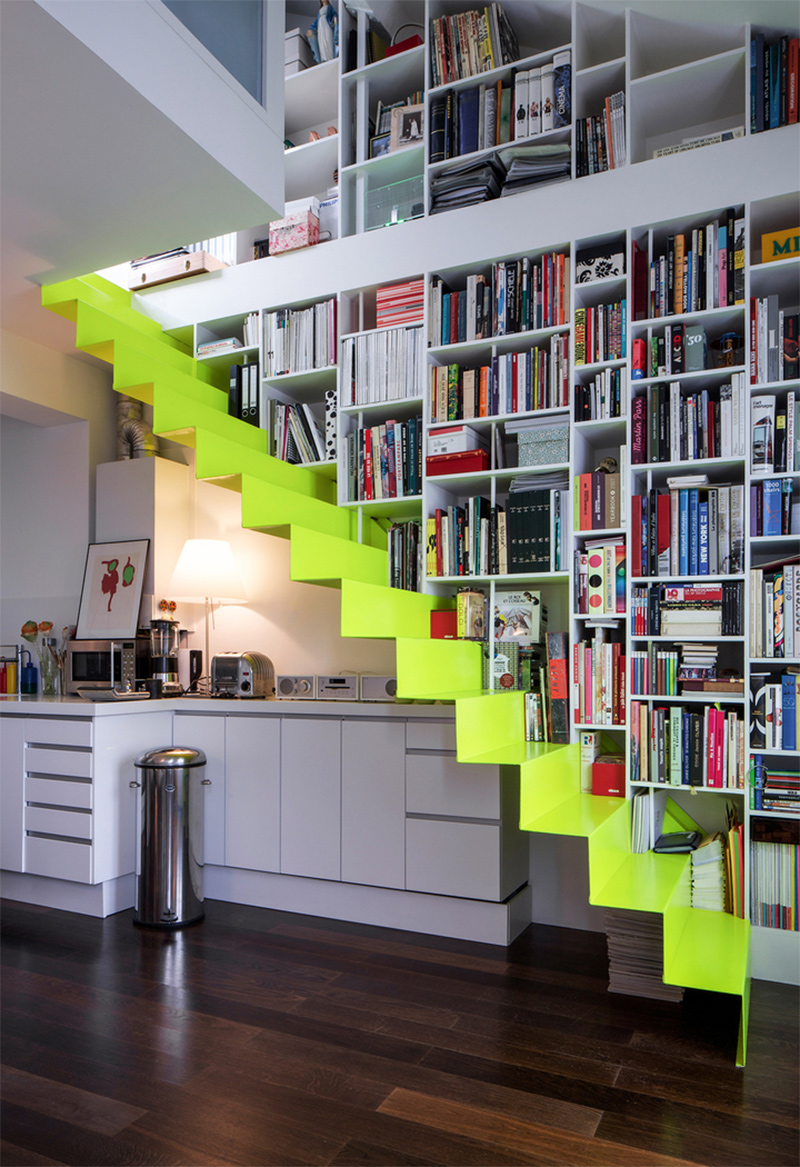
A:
(709, 889)
(636, 955)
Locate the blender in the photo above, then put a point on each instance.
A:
(164, 643)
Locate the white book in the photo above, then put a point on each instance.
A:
(547, 96)
(723, 494)
(520, 127)
(788, 602)
(535, 101)
(790, 431)
(737, 528)
(762, 433)
(675, 421)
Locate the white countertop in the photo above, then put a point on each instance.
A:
(222, 706)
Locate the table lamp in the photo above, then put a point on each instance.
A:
(206, 573)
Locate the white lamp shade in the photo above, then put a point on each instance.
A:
(206, 569)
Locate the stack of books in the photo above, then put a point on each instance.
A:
(528, 166)
(466, 185)
(600, 138)
(400, 303)
(213, 348)
(299, 339)
(688, 609)
(636, 955)
(772, 788)
(775, 873)
(775, 609)
(709, 890)
(468, 43)
(405, 550)
(599, 577)
(774, 709)
(385, 365)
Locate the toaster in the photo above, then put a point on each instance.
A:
(242, 674)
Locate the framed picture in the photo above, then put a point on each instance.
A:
(407, 126)
(112, 589)
(380, 144)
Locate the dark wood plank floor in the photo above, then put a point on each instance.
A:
(260, 1038)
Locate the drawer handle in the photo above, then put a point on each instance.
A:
(133, 785)
(205, 782)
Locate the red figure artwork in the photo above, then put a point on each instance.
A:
(110, 580)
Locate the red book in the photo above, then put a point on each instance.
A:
(616, 653)
(367, 464)
(559, 687)
(585, 502)
(662, 535)
(463, 462)
(721, 729)
(439, 563)
(454, 317)
(636, 543)
(514, 375)
(792, 80)
(623, 679)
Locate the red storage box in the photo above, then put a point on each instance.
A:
(444, 625)
(608, 776)
(463, 462)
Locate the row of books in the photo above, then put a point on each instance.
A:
(676, 348)
(384, 461)
(710, 885)
(599, 671)
(293, 433)
(471, 540)
(657, 670)
(599, 577)
(775, 610)
(397, 304)
(404, 544)
(668, 425)
(773, 341)
(693, 270)
(681, 746)
(385, 365)
(383, 111)
(512, 383)
(773, 82)
(466, 120)
(602, 397)
(771, 507)
(601, 333)
(676, 609)
(773, 787)
(774, 883)
(600, 140)
(472, 42)
(246, 399)
(510, 169)
(775, 433)
(636, 955)
(299, 339)
(688, 530)
(519, 295)
(597, 498)
(543, 97)
(774, 710)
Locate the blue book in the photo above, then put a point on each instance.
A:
(702, 538)
(683, 532)
(446, 318)
(789, 739)
(758, 782)
(685, 750)
(468, 107)
(774, 85)
(694, 531)
(772, 501)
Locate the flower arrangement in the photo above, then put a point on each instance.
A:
(51, 657)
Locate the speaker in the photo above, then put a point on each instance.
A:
(378, 688)
(288, 686)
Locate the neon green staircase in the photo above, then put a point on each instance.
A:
(704, 950)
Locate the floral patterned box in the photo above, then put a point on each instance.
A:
(293, 232)
(544, 447)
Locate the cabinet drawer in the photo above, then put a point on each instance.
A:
(454, 859)
(52, 731)
(57, 793)
(76, 824)
(69, 763)
(431, 735)
(59, 860)
(438, 784)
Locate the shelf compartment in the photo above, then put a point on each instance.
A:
(309, 167)
(658, 44)
(308, 92)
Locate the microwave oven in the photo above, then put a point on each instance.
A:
(106, 664)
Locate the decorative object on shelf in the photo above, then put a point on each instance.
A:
(112, 589)
(598, 263)
(51, 657)
(380, 145)
(323, 35)
(297, 54)
(407, 126)
(780, 245)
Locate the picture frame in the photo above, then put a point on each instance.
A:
(408, 126)
(379, 145)
(111, 593)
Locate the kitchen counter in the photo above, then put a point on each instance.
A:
(80, 706)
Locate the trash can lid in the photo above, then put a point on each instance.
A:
(172, 756)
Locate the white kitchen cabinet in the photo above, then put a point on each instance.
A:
(311, 794)
(206, 733)
(253, 792)
(373, 802)
(12, 800)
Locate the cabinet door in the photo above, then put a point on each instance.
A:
(208, 734)
(12, 798)
(311, 792)
(373, 802)
(253, 792)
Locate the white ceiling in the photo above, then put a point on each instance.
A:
(91, 173)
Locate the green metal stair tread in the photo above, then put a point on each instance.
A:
(706, 950)
(236, 448)
(270, 507)
(133, 368)
(95, 330)
(325, 559)
(578, 815)
(94, 290)
(642, 883)
(512, 753)
(384, 613)
(175, 415)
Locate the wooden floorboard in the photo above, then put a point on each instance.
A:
(264, 1039)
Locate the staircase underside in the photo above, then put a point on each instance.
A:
(702, 950)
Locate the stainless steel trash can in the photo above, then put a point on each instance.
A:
(169, 873)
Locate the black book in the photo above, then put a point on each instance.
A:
(437, 142)
(696, 749)
(730, 216)
(235, 391)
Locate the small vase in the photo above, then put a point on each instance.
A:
(48, 669)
